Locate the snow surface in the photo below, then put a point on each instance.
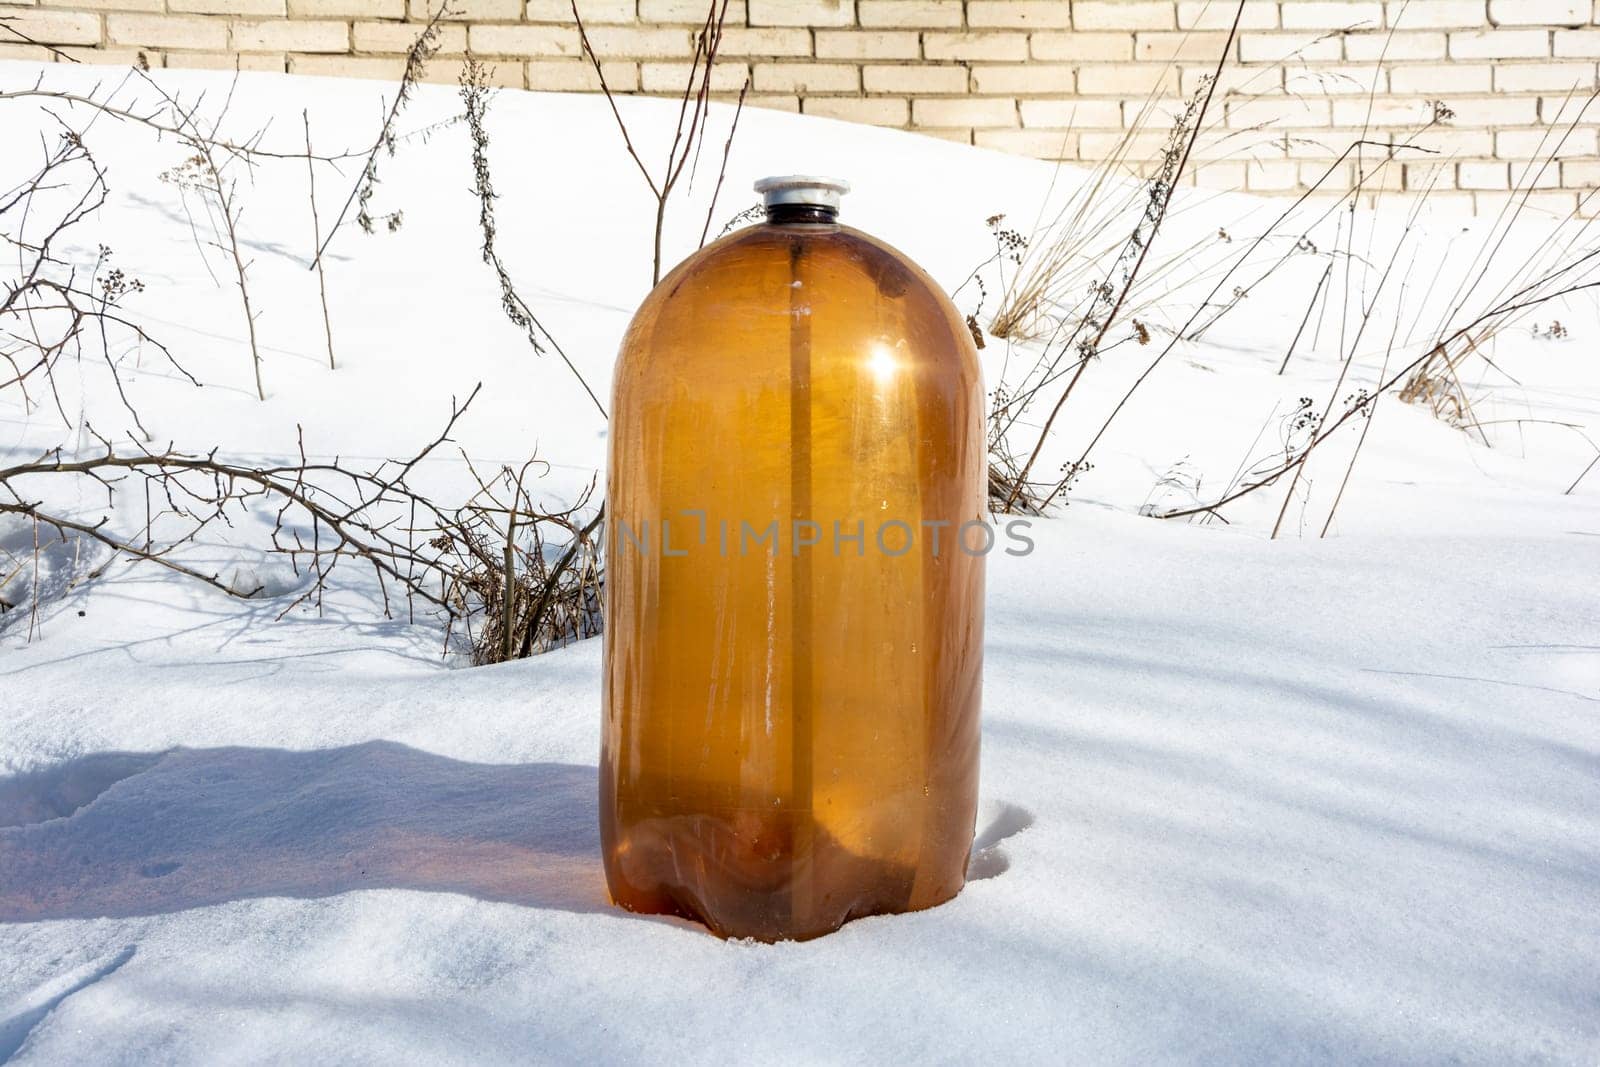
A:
(1295, 800)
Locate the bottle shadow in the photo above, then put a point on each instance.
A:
(123, 834)
(118, 834)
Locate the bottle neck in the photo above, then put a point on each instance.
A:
(789, 214)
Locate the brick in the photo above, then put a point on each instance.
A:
(469, 10)
(672, 77)
(1166, 47)
(36, 53)
(53, 27)
(1250, 81)
(1500, 44)
(1003, 46)
(592, 12)
(1495, 110)
(1277, 110)
(1484, 176)
(1353, 111)
(1323, 175)
(1428, 178)
(1557, 110)
(1540, 12)
(631, 41)
(773, 101)
(120, 57)
(230, 61)
(1220, 176)
(228, 7)
(1441, 80)
(1214, 146)
(369, 9)
(1319, 15)
(1019, 14)
(1134, 147)
(988, 113)
(1323, 144)
(1542, 173)
(688, 12)
(1303, 144)
(802, 12)
(867, 44)
(1387, 178)
(505, 74)
(1577, 43)
(379, 67)
(1149, 114)
(1326, 182)
(807, 78)
(1072, 114)
(1039, 144)
(106, 5)
(1271, 176)
(1534, 144)
(1283, 47)
(916, 80)
(1123, 15)
(290, 35)
(1023, 79)
(577, 75)
(916, 14)
(1580, 174)
(1394, 47)
(1522, 77)
(956, 136)
(1436, 14)
(1459, 143)
(168, 31)
(1117, 80)
(765, 42)
(879, 111)
(1343, 80)
(1108, 47)
(524, 41)
(1218, 15)
(398, 37)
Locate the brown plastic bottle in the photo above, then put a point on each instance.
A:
(791, 728)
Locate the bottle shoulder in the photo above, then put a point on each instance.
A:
(841, 254)
(779, 271)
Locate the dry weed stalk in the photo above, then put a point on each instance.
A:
(490, 565)
(1437, 384)
(693, 113)
(484, 560)
(475, 97)
(54, 308)
(316, 239)
(209, 173)
(1111, 295)
(1559, 268)
(502, 573)
(386, 143)
(1553, 285)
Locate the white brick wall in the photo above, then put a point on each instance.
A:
(1051, 78)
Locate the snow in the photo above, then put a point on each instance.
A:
(1307, 799)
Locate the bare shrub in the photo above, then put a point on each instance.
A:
(1064, 303)
(693, 111)
(508, 577)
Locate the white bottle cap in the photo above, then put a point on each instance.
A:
(808, 189)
